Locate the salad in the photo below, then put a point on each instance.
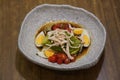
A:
(61, 41)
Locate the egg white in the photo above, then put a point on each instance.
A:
(41, 53)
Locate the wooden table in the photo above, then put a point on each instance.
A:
(14, 66)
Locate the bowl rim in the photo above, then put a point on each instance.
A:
(91, 63)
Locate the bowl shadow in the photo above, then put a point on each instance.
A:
(31, 71)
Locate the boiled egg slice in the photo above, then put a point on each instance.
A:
(85, 38)
(41, 54)
(39, 39)
(78, 31)
(49, 52)
(46, 53)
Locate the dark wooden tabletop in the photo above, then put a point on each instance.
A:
(14, 66)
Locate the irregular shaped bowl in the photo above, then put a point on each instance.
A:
(47, 12)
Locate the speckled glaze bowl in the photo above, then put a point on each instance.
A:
(47, 12)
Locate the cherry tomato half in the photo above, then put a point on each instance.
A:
(59, 61)
(64, 26)
(52, 58)
(67, 61)
(56, 26)
(61, 56)
(73, 60)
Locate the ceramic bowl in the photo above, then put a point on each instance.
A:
(47, 12)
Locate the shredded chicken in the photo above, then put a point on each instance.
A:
(67, 51)
(59, 37)
(70, 26)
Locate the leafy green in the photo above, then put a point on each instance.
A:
(74, 50)
(76, 43)
(57, 48)
(46, 41)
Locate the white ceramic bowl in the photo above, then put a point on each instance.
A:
(47, 12)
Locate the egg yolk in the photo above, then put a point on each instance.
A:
(49, 52)
(86, 40)
(39, 39)
(78, 31)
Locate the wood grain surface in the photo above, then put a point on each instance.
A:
(14, 66)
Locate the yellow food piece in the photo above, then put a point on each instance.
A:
(86, 40)
(78, 31)
(49, 52)
(39, 39)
